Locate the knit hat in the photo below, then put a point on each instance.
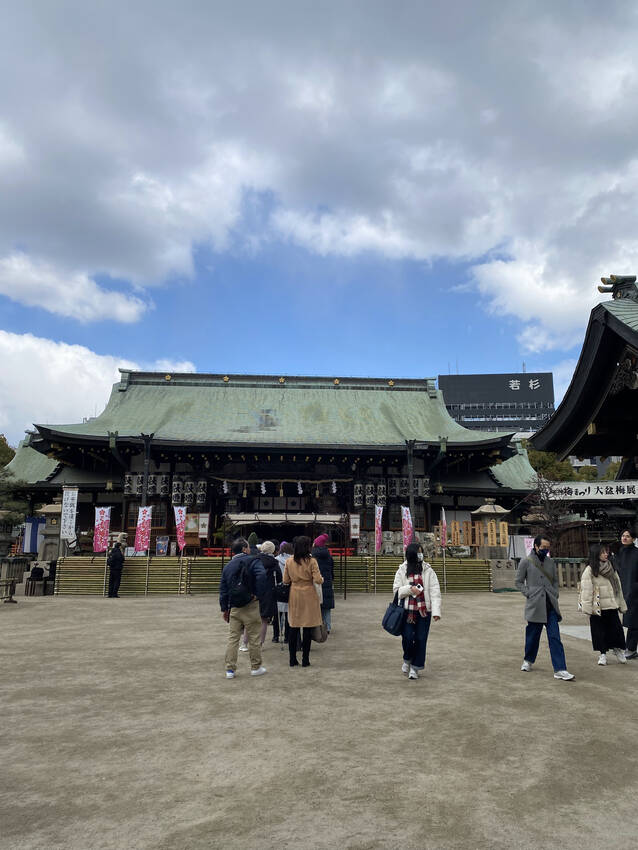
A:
(321, 540)
(267, 548)
(252, 539)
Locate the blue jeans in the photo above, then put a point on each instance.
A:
(533, 637)
(325, 614)
(415, 638)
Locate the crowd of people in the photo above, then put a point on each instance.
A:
(608, 596)
(302, 571)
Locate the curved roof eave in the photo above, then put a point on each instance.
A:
(605, 338)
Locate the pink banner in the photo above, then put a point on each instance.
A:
(180, 524)
(143, 530)
(443, 529)
(406, 523)
(101, 531)
(378, 535)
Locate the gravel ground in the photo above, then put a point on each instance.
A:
(121, 731)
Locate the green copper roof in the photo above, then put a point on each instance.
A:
(624, 309)
(515, 473)
(31, 466)
(277, 411)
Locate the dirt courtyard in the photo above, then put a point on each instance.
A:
(120, 731)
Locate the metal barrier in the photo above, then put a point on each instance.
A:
(11, 569)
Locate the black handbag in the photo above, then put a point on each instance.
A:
(319, 633)
(282, 592)
(394, 617)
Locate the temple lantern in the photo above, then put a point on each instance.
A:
(201, 492)
(178, 491)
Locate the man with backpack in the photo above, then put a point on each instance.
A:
(242, 584)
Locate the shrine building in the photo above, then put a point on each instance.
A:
(281, 454)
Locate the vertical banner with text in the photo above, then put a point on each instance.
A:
(180, 526)
(406, 525)
(69, 509)
(101, 531)
(355, 526)
(378, 534)
(443, 529)
(143, 530)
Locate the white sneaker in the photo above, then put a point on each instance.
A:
(230, 674)
(620, 655)
(526, 666)
(405, 667)
(413, 673)
(259, 672)
(243, 647)
(564, 675)
(631, 653)
(603, 659)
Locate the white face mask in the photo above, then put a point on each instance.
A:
(420, 556)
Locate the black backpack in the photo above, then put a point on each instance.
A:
(239, 593)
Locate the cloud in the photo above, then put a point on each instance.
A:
(51, 382)
(75, 295)
(495, 134)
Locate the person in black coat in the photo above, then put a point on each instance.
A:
(115, 563)
(321, 554)
(626, 563)
(268, 604)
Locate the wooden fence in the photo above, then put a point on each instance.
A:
(144, 576)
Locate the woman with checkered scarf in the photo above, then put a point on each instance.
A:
(418, 586)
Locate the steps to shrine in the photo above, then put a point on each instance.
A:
(143, 576)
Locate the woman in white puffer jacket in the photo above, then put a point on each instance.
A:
(417, 584)
(601, 598)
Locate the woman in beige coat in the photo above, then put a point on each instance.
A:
(601, 598)
(304, 611)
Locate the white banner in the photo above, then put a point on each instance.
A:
(594, 491)
(355, 526)
(69, 508)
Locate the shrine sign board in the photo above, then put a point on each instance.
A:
(594, 491)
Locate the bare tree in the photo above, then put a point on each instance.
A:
(548, 507)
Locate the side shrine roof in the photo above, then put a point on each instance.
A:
(30, 466)
(247, 410)
(516, 473)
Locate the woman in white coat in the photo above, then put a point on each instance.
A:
(601, 598)
(418, 586)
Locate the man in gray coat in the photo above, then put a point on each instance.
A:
(537, 579)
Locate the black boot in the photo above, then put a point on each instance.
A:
(292, 647)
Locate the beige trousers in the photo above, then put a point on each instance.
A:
(247, 617)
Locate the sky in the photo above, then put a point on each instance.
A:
(329, 188)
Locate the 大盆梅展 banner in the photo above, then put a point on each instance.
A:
(378, 534)
(180, 526)
(101, 530)
(143, 530)
(406, 525)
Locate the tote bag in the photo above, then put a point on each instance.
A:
(394, 617)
